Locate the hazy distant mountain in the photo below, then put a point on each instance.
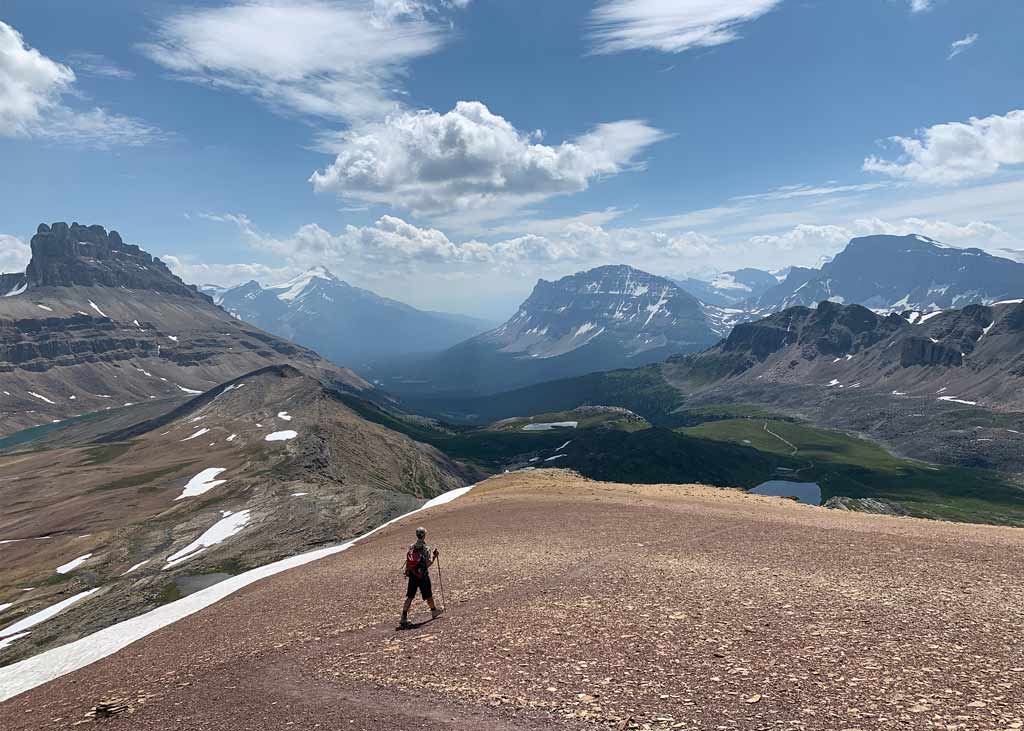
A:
(894, 273)
(345, 324)
(730, 288)
(608, 317)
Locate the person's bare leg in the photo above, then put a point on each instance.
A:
(430, 603)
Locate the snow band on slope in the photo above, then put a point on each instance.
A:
(34, 671)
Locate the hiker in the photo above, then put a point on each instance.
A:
(418, 561)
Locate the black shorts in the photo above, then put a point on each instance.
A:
(421, 583)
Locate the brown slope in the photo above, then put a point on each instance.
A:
(576, 604)
(118, 499)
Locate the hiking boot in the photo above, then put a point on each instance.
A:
(405, 622)
(435, 613)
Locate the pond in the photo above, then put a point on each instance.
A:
(805, 492)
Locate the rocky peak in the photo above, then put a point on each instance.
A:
(90, 256)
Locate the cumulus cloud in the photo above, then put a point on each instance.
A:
(920, 6)
(957, 151)
(14, 254)
(671, 26)
(32, 90)
(470, 158)
(30, 84)
(962, 45)
(228, 275)
(335, 59)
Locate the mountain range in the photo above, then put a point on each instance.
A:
(347, 325)
(603, 318)
(896, 273)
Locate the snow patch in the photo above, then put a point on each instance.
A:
(188, 390)
(552, 459)
(564, 446)
(299, 494)
(41, 616)
(98, 310)
(925, 318)
(547, 426)
(283, 415)
(281, 436)
(955, 400)
(73, 564)
(20, 289)
(44, 307)
(197, 434)
(41, 398)
(232, 437)
(203, 482)
(139, 565)
(231, 524)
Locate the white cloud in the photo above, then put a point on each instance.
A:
(95, 64)
(671, 26)
(920, 6)
(195, 272)
(962, 45)
(957, 151)
(32, 87)
(787, 192)
(14, 254)
(472, 159)
(30, 84)
(336, 59)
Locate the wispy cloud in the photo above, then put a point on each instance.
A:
(671, 26)
(788, 192)
(94, 64)
(920, 6)
(962, 45)
(32, 91)
(333, 59)
(953, 152)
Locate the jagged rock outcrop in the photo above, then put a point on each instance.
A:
(878, 506)
(89, 256)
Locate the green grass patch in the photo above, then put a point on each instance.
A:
(846, 465)
(104, 453)
(170, 593)
(141, 479)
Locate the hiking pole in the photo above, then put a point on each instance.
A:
(440, 581)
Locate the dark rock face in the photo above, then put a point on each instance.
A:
(831, 330)
(89, 256)
(923, 352)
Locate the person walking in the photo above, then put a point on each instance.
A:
(418, 560)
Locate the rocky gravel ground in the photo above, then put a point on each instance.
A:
(577, 604)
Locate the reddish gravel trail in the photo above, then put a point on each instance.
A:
(576, 604)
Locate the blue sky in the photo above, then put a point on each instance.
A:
(449, 152)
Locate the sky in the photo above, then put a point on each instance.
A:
(448, 153)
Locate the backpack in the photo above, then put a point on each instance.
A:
(414, 562)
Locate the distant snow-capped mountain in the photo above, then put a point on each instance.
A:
(730, 288)
(896, 273)
(604, 318)
(343, 323)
